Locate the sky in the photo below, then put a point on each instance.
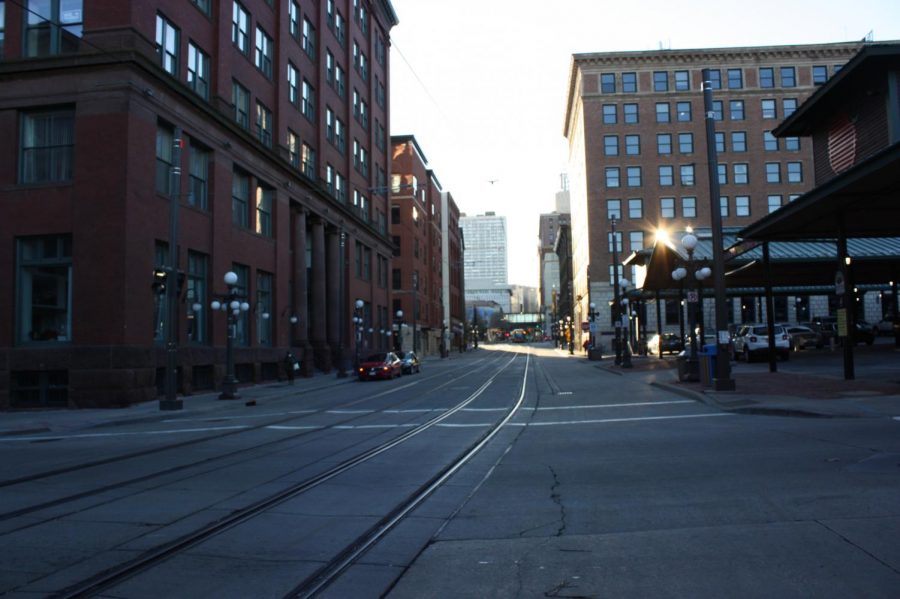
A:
(482, 84)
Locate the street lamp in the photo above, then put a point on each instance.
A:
(689, 242)
(444, 351)
(593, 316)
(399, 343)
(358, 326)
(625, 319)
(570, 335)
(617, 319)
(233, 307)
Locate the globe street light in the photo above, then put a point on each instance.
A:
(358, 326)
(689, 242)
(616, 305)
(399, 343)
(593, 316)
(232, 307)
(623, 324)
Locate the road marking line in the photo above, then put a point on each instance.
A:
(350, 412)
(608, 420)
(619, 405)
(243, 417)
(347, 427)
(284, 427)
(129, 434)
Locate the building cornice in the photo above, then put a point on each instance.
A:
(693, 56)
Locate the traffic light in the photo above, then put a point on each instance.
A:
(159, 281)
(160, 277)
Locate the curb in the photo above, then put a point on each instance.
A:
(250, 400)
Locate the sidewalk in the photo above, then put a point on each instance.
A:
(25, 422)
(798, 388)
(874, 393)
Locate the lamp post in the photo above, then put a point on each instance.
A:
(560, 332)
(689, 242)
(593, 316)
(444, 351)
(617, 320)
(232, 306)
(625, 317)
(570, 335)
(723, 380)
(399, 344)
(358, 327)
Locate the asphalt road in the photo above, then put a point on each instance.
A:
(598, 485)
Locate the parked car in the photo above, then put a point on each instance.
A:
(384, 365)
(886, 326)
(826, 326)
(752, 341)
(410, 362)
(803, 337)
(669, 342)
(863, 332)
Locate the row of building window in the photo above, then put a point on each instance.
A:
(44, 300)
(668, 209)
(301, 93)
(664, 143)
(47, 139)
(734, 78)
(55, 26)
(684, 111)
(793, 173)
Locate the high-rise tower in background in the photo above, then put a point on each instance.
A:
(486, 263)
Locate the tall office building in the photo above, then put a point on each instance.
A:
(486, 271)
(263, 125)
(635, 124)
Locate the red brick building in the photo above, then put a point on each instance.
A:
(453, 292)
(417, 268)
(635, 123)
(282, 108)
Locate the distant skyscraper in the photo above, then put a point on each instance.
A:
(486, 264)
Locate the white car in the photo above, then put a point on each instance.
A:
(752, 340)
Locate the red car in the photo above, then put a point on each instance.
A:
(385, 365)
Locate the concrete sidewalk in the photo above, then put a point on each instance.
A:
(30, 421)
(812, 385)
(804, 392)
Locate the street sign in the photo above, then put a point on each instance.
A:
(693, 297)
(839, 283)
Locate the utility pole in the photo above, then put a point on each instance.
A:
(171, 401)
(723, 380)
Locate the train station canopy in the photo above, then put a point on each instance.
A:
(795, 267)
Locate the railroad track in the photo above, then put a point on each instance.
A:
(324, 575)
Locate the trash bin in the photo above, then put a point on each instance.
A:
(711, 351)
(703, 359)
(681, 363)
(688, 370)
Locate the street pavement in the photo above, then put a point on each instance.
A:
(609, 486)
(810, 384)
